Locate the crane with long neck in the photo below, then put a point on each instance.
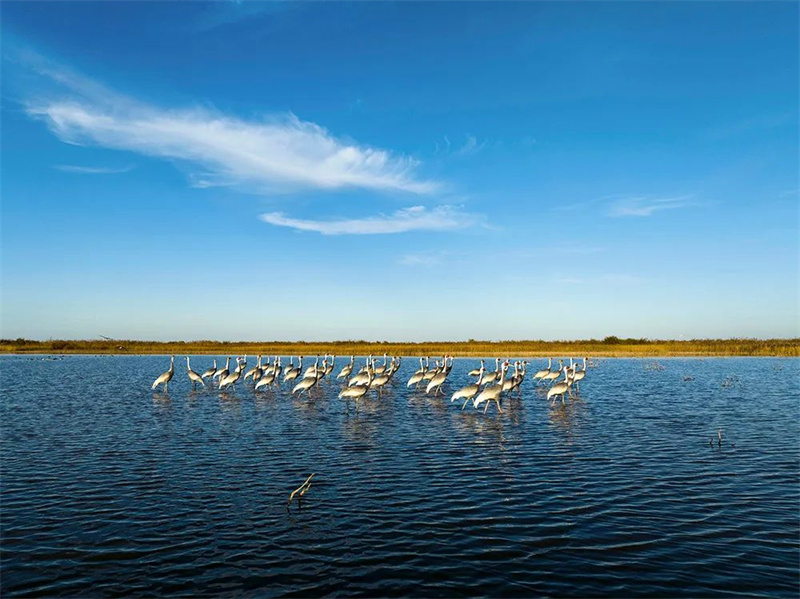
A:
(166, 377)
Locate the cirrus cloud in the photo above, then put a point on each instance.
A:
(93, 170)
(277, 153)
(645, 206)
(415, 218)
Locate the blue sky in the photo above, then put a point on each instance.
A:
(399, 171)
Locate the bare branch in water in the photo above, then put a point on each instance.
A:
(302, 488)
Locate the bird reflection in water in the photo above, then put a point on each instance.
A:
(308, 406)
(191, 397)
(162, 399)
(426, 404)
(567, 417)
(360, 427)
(263, 401)
(483, 432)
(230, 402)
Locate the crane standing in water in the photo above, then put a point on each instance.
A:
(210, 372)
(544, 372)
(221, 374)
(492, 392)
(347, 370)
(356, 392)
(165, 378)
(470, 391)
(193, 376)
(561, 387)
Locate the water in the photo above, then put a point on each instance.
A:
(111, 489)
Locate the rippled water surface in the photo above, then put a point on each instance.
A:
(111, 489)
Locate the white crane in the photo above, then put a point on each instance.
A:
(210, 372)
(165, 378)
(347, 370)
(379, 382)
(437, 381)
(542, 373)
(560, 388)
(469, 391)
(255, 371)
(416, 378)
(508, 384)
(268, 366)
(293, 373)
(193, 376)
(518, 378)
(306, 383)
(552, 375)
(221, 374)
(477, 371)
(579, 375)
(491, 377)
(430, 373)
(492, 392)
(369, 363)
(356, 392)
(448, 367)
(232, 378)
(323, 370)
(329, 367)
(313, 369)
(381, 369)
(267, 380)
(394, 366)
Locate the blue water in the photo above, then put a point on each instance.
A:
(109, 488)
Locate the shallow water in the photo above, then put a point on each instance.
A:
(111, 489)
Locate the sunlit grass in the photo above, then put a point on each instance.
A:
(610, 346)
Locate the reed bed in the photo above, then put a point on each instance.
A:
(608, 347)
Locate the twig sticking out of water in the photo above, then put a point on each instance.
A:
(301, 489)
(719, 440)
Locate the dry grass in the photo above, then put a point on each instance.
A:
(609, 347)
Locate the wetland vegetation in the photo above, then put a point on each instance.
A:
(611, 346)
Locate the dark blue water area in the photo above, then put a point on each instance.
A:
(109, 488)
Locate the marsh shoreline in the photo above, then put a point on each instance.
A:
(609, 347)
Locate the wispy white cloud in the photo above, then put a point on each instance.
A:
(219, 14)
(619, 205)
(448, 145)
(277, 153)
(415, 218)
(93, 170)
(471, 146)
(645, 206)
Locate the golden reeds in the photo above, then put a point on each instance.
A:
(608, 347)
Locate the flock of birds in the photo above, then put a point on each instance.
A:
(488, 386)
